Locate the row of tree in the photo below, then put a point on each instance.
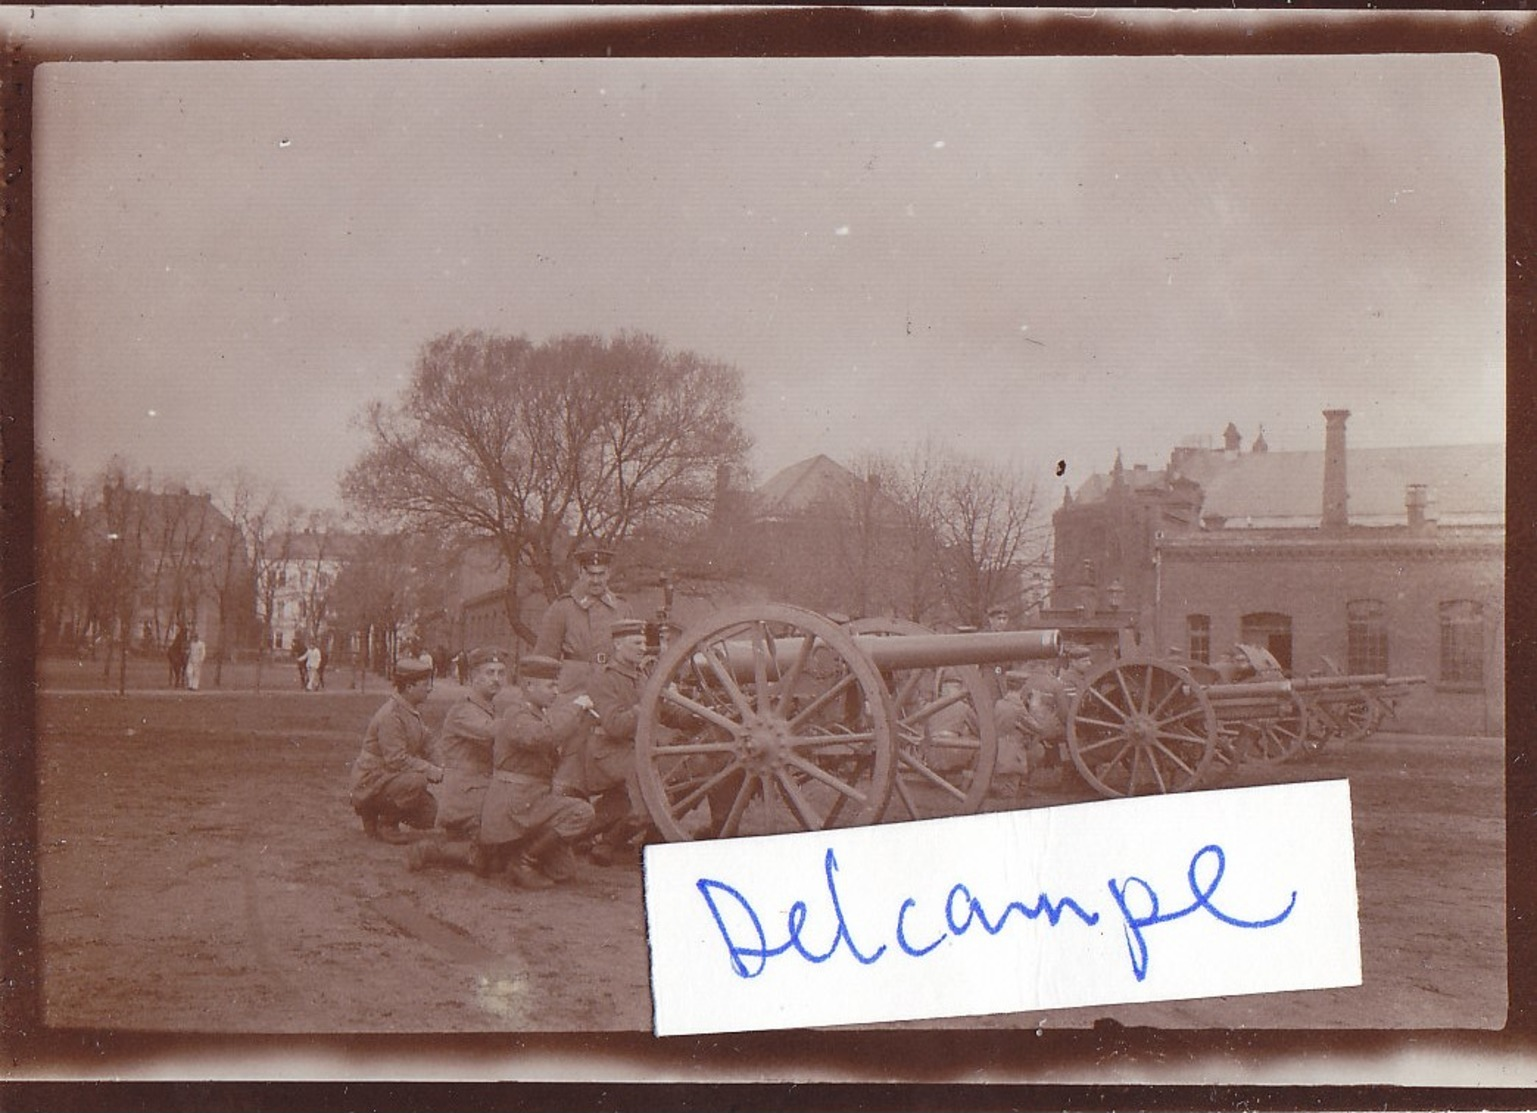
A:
(530, 449)
(537, 447)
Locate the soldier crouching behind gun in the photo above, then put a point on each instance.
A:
(601, 766)
(521, 814)
(464, 748)
(391, 774)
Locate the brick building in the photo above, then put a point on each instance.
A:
(1383, 560)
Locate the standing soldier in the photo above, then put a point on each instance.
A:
(520, 806)
(575, 628)
(464, 751)
(391, 774)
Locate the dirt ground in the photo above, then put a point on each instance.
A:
(201, 871)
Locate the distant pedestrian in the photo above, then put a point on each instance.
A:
(176, 655)
(325, 660)
(312, 668)
(196, 653)
(301, 659)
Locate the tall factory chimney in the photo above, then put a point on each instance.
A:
(1336, 493)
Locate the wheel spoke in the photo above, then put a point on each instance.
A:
(929, 775)
(1104, 699)
(1172, 756)
(762, 650)
(688, 803)
(1152, 763)
(907, 801)
(722, 672)
(825, 741)
(845, 682)
(813, 770)
(1118, 724)
(709, 714)
(929, 710)
(732, 821)
(788, 680)
(1120, 736)
(1136, 764)
(798, 803)
(1131, 701)
(681, 748)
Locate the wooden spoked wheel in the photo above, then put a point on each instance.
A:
(1279, 739)
(1141, 727)
(946, 741)
(763, 720)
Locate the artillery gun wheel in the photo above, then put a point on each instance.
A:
(762, 720)
(1141, 727)
(1359, 718)
(946, 748)
(1276, 740)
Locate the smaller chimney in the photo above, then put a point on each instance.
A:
(1336, 493)
(1416, 502)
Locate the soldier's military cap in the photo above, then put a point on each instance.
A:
(627, 628)
(535, 667)
(593, 556)
(409, 669)
(486, 655)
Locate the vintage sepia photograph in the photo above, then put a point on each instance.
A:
(455, 475)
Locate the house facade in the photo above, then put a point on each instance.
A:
(1380, 560)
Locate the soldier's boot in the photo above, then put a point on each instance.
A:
(437, 852)
(559, 862)
(370, 823)
(524, 868)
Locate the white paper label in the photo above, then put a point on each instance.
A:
(1151, 899)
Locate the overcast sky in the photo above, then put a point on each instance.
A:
(1033, 259)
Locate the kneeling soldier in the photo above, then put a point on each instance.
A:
(464, 748)
(522, 814)
(391, 774)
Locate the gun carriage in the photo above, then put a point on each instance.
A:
(769, 718)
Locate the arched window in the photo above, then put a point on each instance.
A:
(1462, 643)
(1366, 636)
(1198, 637)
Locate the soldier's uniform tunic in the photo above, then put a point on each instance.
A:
(575, 631)
(519, 802)
(608, 758)
(389, 776)
(464, 751)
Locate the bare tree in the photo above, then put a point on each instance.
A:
(270, 526)
(241, 500)
(118, 568)
(63, 554)
(532, 446)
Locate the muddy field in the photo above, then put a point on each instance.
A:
(202, 872)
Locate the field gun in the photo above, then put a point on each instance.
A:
(768, 718)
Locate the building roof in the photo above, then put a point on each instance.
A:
(1465, 484)
(803, 485)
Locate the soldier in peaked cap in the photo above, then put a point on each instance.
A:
(602, 770)
(523, 818)
(575, 628)
(464, 751)
(391, 774)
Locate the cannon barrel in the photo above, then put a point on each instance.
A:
(1330, 683)
(910, 651)
(932, 651)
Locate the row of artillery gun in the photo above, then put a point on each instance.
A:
(768, 718)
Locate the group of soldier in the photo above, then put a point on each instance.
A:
(520, 776)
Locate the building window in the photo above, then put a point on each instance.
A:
(1366, 636)
(1462, 643)
(1198, 637)
(1268, 630)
